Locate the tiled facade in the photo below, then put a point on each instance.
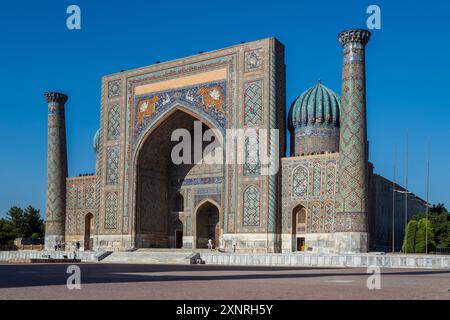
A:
(80, 209)
(140, 198)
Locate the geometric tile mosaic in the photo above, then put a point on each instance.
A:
(253, 105)
(251, 207)
(300, 182)
(112, 165)
(111, 206)
(114, 123)
(252, 165)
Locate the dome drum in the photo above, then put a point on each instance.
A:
(316, 140)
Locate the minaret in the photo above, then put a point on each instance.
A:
(352, 202)
(55, 211)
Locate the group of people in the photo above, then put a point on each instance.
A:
(61, 246)
(211, 245)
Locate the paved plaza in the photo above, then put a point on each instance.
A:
(131, 281)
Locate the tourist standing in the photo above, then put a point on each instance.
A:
(210, 245)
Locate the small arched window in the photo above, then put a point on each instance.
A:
(299, 215)
(302, 216)
(179, 202)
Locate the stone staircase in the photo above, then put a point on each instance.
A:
(153, 256)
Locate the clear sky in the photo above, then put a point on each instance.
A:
(408, 72)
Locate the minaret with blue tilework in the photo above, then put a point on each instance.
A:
(352, 202)
(55, 210)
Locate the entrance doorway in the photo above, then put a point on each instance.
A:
(88, 226)
(298, 227)
(207, 225)
(179, 239)
(301, 244)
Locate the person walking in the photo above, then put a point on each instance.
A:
(74, 260)
(233, 244)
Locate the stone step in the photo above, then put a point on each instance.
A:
(149, 257)
(172, 250)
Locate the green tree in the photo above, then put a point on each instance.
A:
(447, 241)
(422, 238)
(21, 223)
(16, 219)
(410, 237)
(5, 232)
(33, 224)
(439, 218)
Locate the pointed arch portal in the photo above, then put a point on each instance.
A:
(299, 227)
(207, 225)
(160, 213)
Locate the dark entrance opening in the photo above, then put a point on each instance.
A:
(179, 238)
(207, 225)
(300, 244)
(298, 227)
(88, 225)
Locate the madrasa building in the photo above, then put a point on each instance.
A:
(325, 197)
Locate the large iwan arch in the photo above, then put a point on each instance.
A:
(159, 181)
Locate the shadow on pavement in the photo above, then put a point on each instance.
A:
(30, 275)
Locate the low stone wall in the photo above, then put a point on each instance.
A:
(247, 259)
(323, 260)
(28, 255)
(338, 243)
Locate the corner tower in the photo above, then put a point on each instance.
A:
(352, 202)
(55, 210)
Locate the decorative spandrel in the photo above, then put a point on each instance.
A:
(208, 100)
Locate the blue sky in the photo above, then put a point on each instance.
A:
(408, 72)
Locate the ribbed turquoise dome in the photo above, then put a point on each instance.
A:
(314, 122)
(317, 106)
(96, 141)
